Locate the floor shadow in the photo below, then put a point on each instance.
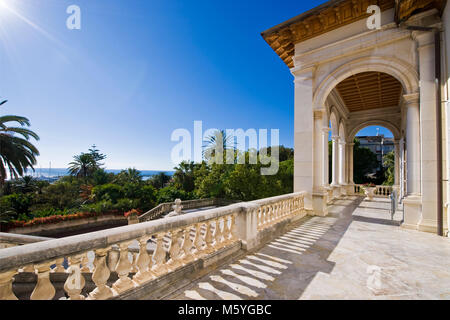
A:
(377, 221)
(284, 268)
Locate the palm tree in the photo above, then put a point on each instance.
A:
(17, 153)
(217, 146)
(131, 175)
(27, 184)
(82, 166)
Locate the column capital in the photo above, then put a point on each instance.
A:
(411, 99)
(305, 73)
(342, 142)
(335, 138)
(326, 130)
(319, 113)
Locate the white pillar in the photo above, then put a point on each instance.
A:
(304, 134)
(335, 161)
(342, 163)
(350, 163)
(428, 139)
(413, 201)
(326, 169)
(397, 163)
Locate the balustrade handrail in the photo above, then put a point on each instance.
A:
(166, 207)
(176, 241)
(16, 257)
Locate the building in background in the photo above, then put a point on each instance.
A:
(380, 145)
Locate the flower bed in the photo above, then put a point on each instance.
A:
(133, 212)
(58, 218)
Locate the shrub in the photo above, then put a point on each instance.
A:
(170, 194)
(112, 192)
(20, 203)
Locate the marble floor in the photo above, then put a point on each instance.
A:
(357, 252)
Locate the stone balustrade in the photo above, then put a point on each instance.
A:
(274, 210)
(137, 254)
(8, 240)
(383, 191)
(167, 207)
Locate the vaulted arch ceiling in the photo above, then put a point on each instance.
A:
(370, 90)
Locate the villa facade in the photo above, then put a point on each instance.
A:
(349, 75)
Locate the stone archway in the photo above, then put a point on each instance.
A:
(398, 69)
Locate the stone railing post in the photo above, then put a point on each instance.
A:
(247, 225)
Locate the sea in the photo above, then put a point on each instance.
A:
(53, 174)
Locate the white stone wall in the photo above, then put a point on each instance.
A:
(446, 96)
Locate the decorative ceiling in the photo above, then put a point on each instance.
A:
(332, 15)
(370, 90)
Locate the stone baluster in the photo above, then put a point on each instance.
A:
(134, 257)
(187, 246)
(113, 259)
(44, 289)
(59, 268)
(159, 256)
(75, 281)
(85, 263)
(263, 216)
(123, 269)
(28, 268)
(227, 225)
(175, 250)
(217, 234)
(209, 238)
(6, 281)
(233, 227)
(100, 276)
(198, 242)
(144, 263)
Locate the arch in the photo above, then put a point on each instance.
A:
(382, 123)
(342, 132)
(400, 70)
(334, 123)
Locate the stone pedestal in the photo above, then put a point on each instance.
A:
(412, 206)
(320, 207)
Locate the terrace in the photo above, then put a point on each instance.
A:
(265, 249)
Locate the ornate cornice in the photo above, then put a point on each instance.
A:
(333, 15)
(404, 9)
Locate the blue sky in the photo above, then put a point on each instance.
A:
(138, 70)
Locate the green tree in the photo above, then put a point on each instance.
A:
(217, 146)
(130, 175)
(170, 194)
(159, 180)
(83, 166)
(17, 153)
(184, 177)
(364, 162)
(86, 164)
(389, 164)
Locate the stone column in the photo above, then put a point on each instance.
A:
(319, 196)
(397, 163)
(335, 161)
(304, 134)
(350, 163)
(429, 180)
(326, 169)
(413, 201)
(342, 163)
(402, 169)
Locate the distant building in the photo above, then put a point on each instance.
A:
(380, 145)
